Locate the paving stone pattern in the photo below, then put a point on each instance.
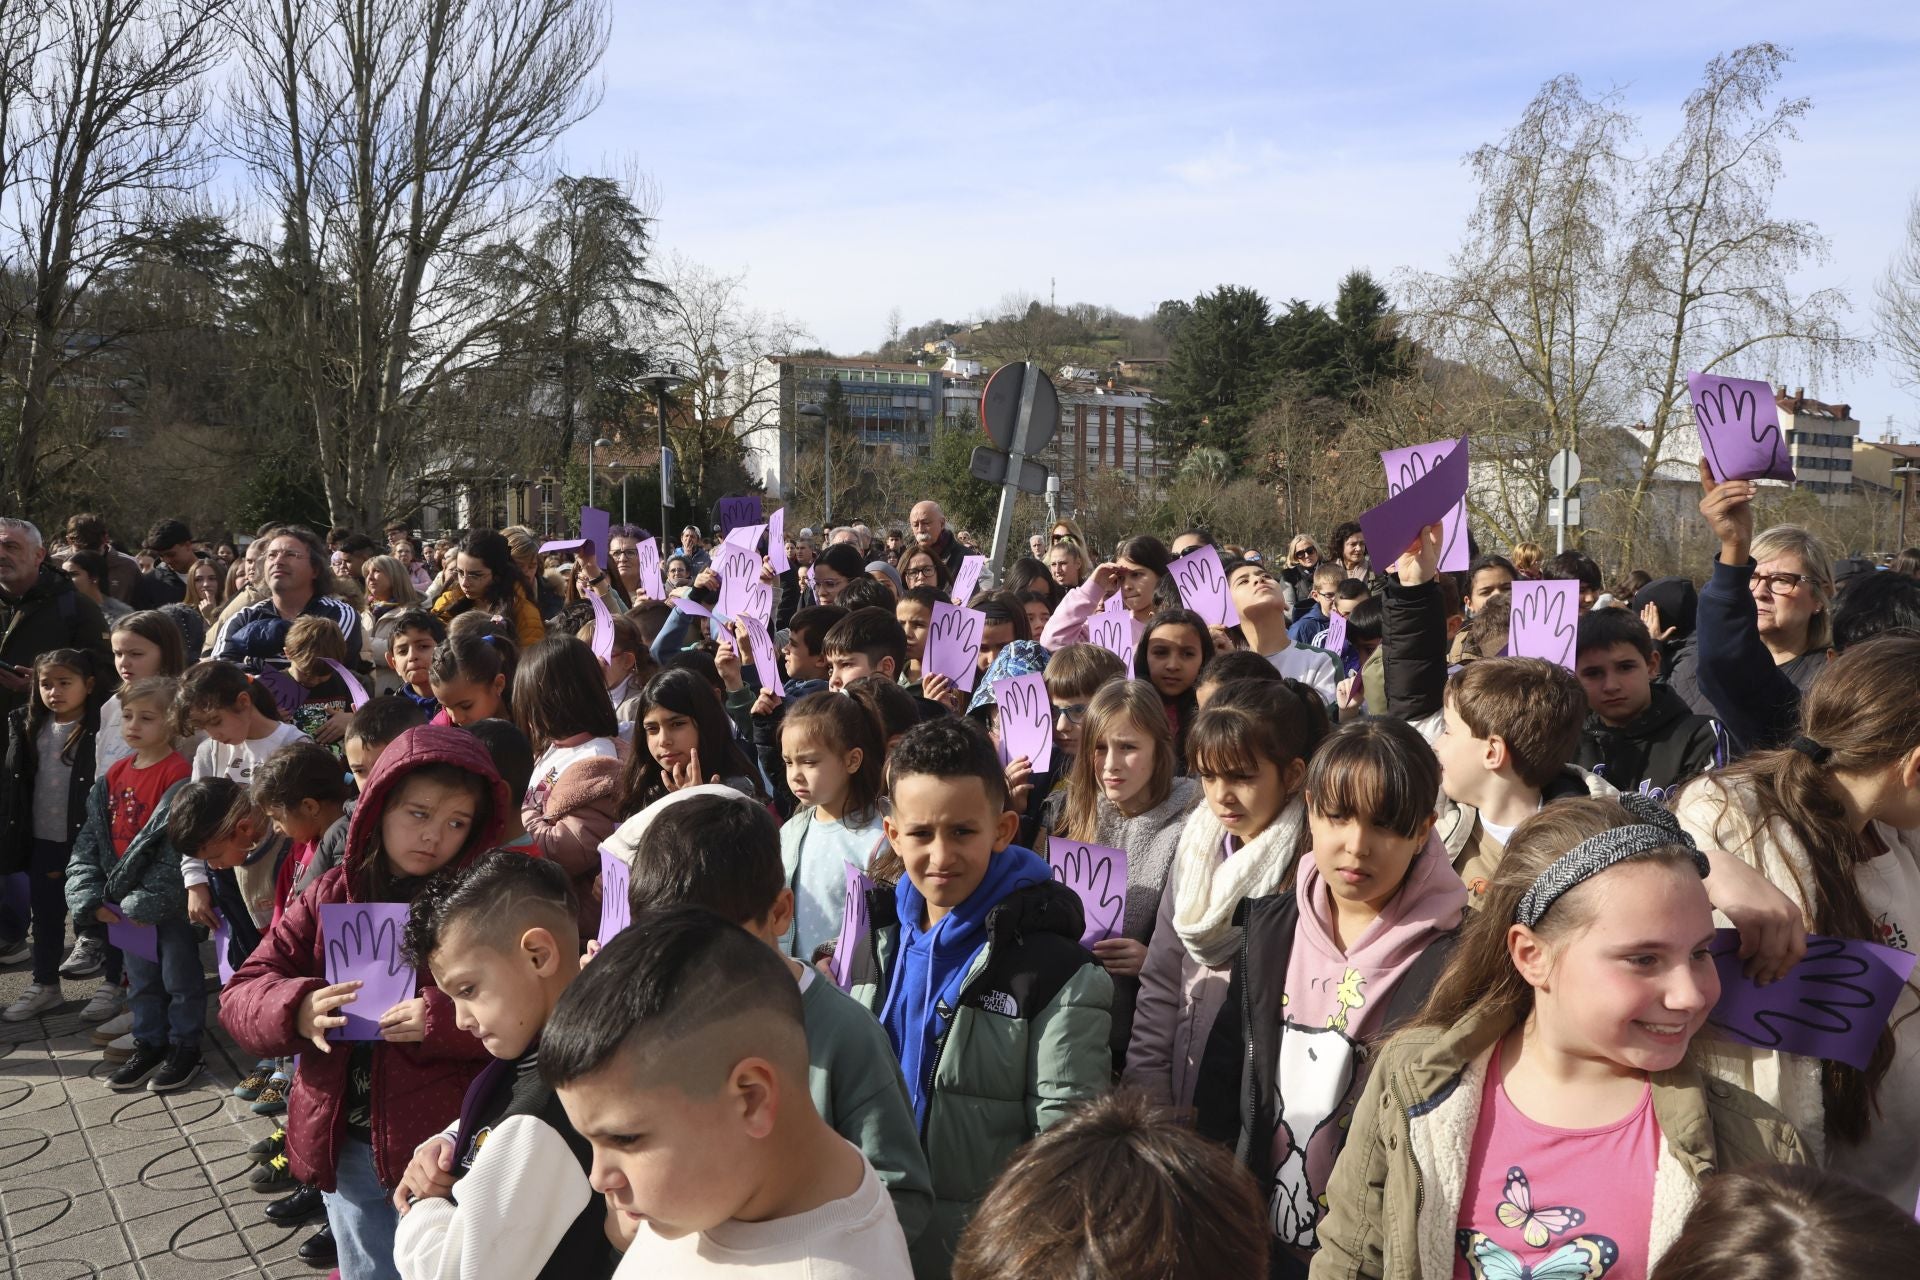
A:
(95, 1183)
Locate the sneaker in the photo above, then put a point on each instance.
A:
(104, 1004)
(272, 1099)
(272, 1175)
(88, 957)
(112, 1029)
(120, 1050)
(38, 998)
(256, 1080)
(15, 950)
(183, 1064)
(268, 1147)
(146, 1059)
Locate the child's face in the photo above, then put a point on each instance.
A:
(1254, 590)
(426, 825)
(410, 654)
(1245, 803)
(803, 663)
(223, 853)
(1123, 760)
(64, 691)
(1173, 659)
(144, 726)
(1137, 586)
(1489, 582)
(466, 701)
(302, 823)
(994, 637)
(1068, 717)
(135, 657)
(913, 618)
(227, 726)
(1038, 615)
(946, 831)
(617, 668)
(1633, 986)
(1618, 681)
(1346, 607)
(844, 668)
(498, 995)
(361, 757)
(1364, 865)
(816, 773)
(673, 738)
(1463, 757)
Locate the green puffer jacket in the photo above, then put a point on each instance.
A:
(145, 882)
(1027, 1044)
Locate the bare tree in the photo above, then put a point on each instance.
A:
(1898, 298)
(97, 138)
(397, 139)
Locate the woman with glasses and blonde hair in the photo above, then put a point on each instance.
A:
(1303, 556)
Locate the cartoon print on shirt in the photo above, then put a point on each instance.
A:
(1581, 1258)
(1317, 1071)
(1536, 1226)
(1887, 931)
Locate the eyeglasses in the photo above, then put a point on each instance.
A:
(1075, 712)
(1780, 584)
(1304, 552)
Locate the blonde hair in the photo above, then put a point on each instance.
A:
(399, 584)
(1132, 702)
(1802, 545)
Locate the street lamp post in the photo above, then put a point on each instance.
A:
(660, 382)
(593, 448)
(1907, 473)
(826, 457)
(620, 480)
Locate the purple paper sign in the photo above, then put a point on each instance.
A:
(953, 644)
(746, 535)
(766, 661)
(616, 912)
(777, 541)
(1833, 1004)
(356, 692)
(649, 570)
(1117, 633)
(1404, 466)
(1739, 424)
(968, 578)
(1026, 720)
(223, 949)
(853, 927)
(1115, 603)
(363, 945)
(594, 524)
(1099, 876)
(1546, 621)
(1203, 587)
(739, 570)
(602, 627)
(1334, 638)
(1394, 526)
(734, 512)
(687, 604)
(135, 939)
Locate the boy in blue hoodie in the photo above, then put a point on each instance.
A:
(975, 936)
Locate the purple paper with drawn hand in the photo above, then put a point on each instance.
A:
(968, 578)
(1394, 526)
(853, 927)
(223, 949)
(649, 570)
(141, 940)
(687, 604)
(362, 941)
(1203, 587)
(953, 643)
(1739, 424)
(594, 524)
(734, 512)
(1117, 633)
(1026, 720)
(1334, 638)
(616, 912)
(766, 660)
(746, 535)
(739, 570)
(1099, 876)
(1404, 466)
(1115, 603)
(1546, 621)
(777, 541)
(1833, 1004)
(602, 627)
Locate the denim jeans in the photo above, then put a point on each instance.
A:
(169, 1000)
(47, 885)
(362, 1216)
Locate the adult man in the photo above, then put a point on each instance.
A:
(87, 570)
(299, 584)
(929, 524)
(694, 548)
(170, 543)
(40, 611)
(1037, 546)
(88, 532)
(896, 543)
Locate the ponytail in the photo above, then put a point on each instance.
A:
(215, 685)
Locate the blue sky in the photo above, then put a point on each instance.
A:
(853, 157)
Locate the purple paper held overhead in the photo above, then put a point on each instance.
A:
(649, 570)
(1026, 720)
(746, 535)
(1334, 638)
(1203, 587)
(141, 940)
(733, 512)
(953, 643)
(594, 524)
(777, 541)
(1546, 621)
(602, 627)
(766, 659)
(1739, 425)
(1394, 526)
(1404, 466)
(1833, 1004)
(853, 927)
(616, 912)
(1099, 876)
(687, 604)
(1117, 633)
(967, 578)
(739, 570)
(362, 941)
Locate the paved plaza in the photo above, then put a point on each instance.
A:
(122, 1185)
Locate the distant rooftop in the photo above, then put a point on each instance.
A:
(833, 362)
(1799, 405)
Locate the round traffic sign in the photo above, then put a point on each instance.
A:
(1000, 408)
(1563, 471)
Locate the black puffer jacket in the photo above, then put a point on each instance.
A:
(1657, 750)
(16, 791)
(51, 615)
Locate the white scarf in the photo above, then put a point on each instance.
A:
(1206, 890)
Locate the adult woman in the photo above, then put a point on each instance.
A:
(1067, 562)
(226, 554)
(623, 562)
(389, 593)
(1136, 573)
(486, 577)
(1527, 559)
(407, 552)
(923, 567)
(1066, 531)
(838, 565)
(526, 554)
(1348, 546)
(207, 589)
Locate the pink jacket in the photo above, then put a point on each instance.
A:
(1069, 622)
(581, 811)
(1172, 1017)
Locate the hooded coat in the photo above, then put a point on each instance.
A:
(417, 1088)
(1656, 751)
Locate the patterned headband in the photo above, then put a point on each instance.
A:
(1656, 829)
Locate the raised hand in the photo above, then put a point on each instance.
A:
(1421, 563)
(1650, 615)
(315, 1015)
(1728, 507)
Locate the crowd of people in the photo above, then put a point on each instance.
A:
(709, 968)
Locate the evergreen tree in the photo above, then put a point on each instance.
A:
(1223, 363)
(1308, 343)
(1371, 349)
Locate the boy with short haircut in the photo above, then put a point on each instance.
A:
(867, 642)
(805, 658)
(376, 724)
(504, 1192)
(690, 1031)
(1639, 735)
(416, 634)
(977, 933)
(1262, 605)
(327, 705)
(1327, 577)
(303, 793)
(721, 852)
(512, 754)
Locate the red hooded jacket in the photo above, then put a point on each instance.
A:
(417, 1088)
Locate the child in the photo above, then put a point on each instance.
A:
(572, 802)
(145, 645)
(1833, 820)
(1330, 967)
(867, 642)
(471, 676)
(105, 867)
(1327, 577)
(1542, 1105)
(804, 650)
(1261, 601)
(1241, 664)
(974, 919)
(512, 754)
(1790, 1222)
(1117, 1190)
(49, 780)
(302, 792)
(914, 612)
(1250, 749)
(834, 765)
(721, 852)
(358, 1111)
(1169, 657)
(690, 1031)
(1639, 735)
(328, 704)
(374, 726)
(891, 708)
(502, 1192)
(685, 738)
(1122, 793)
(1074, 674)
(416, 634)
(622, 672)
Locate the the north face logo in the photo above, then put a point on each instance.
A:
(1001, 1003)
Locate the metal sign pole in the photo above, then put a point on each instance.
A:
(1016, 459)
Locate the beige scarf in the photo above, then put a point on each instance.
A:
(1206, 890)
